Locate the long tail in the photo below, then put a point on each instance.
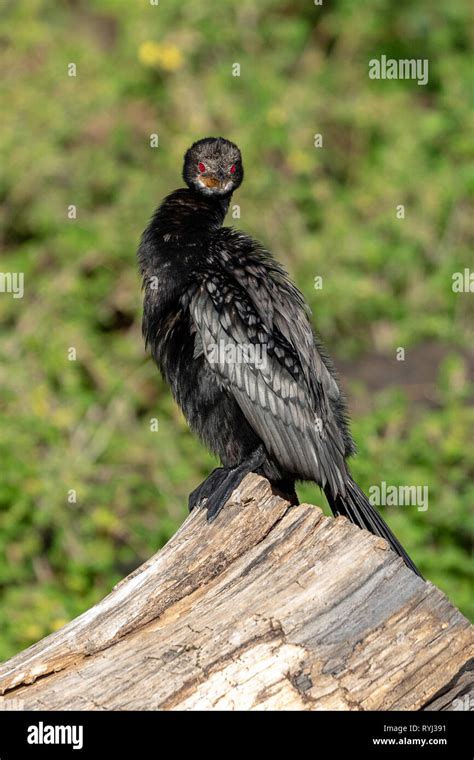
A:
(358, 509)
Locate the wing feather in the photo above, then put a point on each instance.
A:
(288, 398)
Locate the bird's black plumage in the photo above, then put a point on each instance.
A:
(231, 335)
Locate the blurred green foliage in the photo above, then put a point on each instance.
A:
(330, 211)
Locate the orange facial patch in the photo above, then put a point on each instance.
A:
(210, 181)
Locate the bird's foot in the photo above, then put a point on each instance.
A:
(201, 494)
(232, 479)
(217, 488)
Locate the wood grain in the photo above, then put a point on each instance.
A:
(269, 607)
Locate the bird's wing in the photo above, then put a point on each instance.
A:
(253, 329)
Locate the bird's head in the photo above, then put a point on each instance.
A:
(213, 166)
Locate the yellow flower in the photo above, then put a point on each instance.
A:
(147, 53)
(164, 55)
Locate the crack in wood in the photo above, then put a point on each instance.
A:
(270, 607)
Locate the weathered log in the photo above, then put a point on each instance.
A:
(269, 607)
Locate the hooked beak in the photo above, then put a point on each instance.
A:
(216, 181)
(213, 181)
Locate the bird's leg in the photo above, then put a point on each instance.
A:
(231, 480)
(286, 488)
(206, 488)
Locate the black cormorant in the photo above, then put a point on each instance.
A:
(232, 337)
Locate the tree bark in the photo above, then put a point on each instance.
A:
(268, 607)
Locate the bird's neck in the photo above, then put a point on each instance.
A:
(187, 212)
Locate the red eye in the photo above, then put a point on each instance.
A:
(201, 167)
(232, 169)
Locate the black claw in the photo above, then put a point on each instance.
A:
(211, 516)
(204, 491)
(214, 506)
(221, 495)
(216, 490)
